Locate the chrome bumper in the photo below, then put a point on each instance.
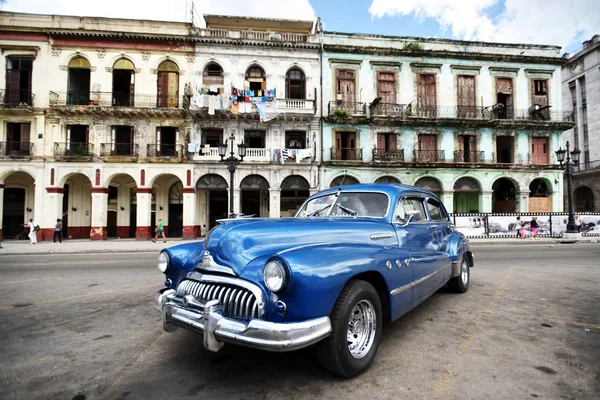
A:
(208, 320)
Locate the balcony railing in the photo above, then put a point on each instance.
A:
(393, 155)
(344, 108)
(429, 156)
(461, 156)
(162, 150)
(16, 98)
(296, 105)
(119, 150)
(589, 166)
(346, 154)
(16, 149)
(391, 109)
(253, 35)
(73, 149)
(114, 99)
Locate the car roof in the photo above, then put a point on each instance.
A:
(392, 189)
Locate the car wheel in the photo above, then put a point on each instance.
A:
(460, 284)
(356, 322)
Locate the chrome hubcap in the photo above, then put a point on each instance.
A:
(361, 329)
(464, 274)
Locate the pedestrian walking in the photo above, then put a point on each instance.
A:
(32, 231)
(522, 229)
(518, 227)
(57, 231)
(533, 227)
(160, 231)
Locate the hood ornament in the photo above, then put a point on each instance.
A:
(209, 264)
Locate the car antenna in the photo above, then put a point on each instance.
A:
(343, 177)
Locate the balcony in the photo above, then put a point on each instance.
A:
(388, 155)
(343, 109)
(296, 106)
(253, 35)
(171, 152)
(16, 149)
(73, 150)
(346, 154)
(16, 98)
(429, 156)
(391, 109)
(119, 150)
(114, 99)
(591, 166)
(473, 157)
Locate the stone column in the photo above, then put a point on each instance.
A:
(237, 200)
(53, 203)
(274, 203)
(144, 207)
(1, 210)
(485, 203)
(123, 212)
(523, 200)
(99, 213)
(189, 214)
(448, 200)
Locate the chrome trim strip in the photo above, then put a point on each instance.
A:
(209, 264)
(380, 236)
(261, 300)
(404, 288)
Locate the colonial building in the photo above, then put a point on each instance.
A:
(477, 123)
(581, 93)
(112, 124)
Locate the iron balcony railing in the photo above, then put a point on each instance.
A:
(343, 108)
(162, 150)
(16, 149)
(73, 149)
(119, 150)
(391, 109)
(115, 99)
(587, 166)
(346, 154)
(429, 156)
(462, 156)
(16, 97)
(396, 155)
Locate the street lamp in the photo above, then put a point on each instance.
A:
(232, 162)
(574, 155)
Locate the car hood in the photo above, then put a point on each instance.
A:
(234, 243)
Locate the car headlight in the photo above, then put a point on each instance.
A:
(163, 262)
(275, 275)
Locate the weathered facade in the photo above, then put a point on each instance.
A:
(478, 123)
(581, 94)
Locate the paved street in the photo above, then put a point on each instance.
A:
(82, 326)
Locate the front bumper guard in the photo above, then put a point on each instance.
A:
(207, 319)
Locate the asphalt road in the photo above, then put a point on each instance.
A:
(83, 327)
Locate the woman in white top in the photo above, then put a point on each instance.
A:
(32, 232)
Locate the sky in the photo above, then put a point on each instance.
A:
(565, 23)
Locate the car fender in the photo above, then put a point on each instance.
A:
(184, 258)
(458, 246)
(319, 272)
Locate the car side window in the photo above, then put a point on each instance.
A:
(435, 210)
(413, 207)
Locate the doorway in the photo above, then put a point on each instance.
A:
(14, 212)
(217, 206)
(345, 143)
(505, 149)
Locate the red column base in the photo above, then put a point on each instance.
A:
(45, 235)
(98, 233)
(142, 233)
(189, 233)
(122, 232)
(1, 235)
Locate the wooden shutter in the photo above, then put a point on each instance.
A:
(466, 96)
(338, 145)
(393, 142)
(539, 150)
(163, 89)
(132, 89)
(426, 95)
(13, 77)
(380, 143)
(351, 146)
(25, 138)
(386, 87)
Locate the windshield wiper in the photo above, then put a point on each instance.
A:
(347, 210)
(320, 210)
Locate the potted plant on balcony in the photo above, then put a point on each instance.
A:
(341, 114)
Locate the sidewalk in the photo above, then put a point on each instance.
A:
(73, 246)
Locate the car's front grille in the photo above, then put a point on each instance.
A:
(237, 302)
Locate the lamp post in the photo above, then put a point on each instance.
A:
(232, 162)
(574, 155)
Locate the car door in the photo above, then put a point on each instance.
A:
(440, 229)
(415, 234)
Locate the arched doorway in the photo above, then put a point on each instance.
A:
(18, 205)
(539, 196)
(256, 78)
(78, 82)
(167, 204)
(255, 196)
(295, 84)
(176, 209)
(343, 180)
(584, 199)
(294, 190)
(466, 195)
(121, 217)
(387, 179)
(504, 196)
(215, 187)
(123, 83)
(168, 85)
(77, 207)
(431, 184)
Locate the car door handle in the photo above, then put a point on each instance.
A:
(433, 227)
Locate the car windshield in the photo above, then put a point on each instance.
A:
(346, 204)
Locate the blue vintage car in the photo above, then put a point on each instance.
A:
(352, 257)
